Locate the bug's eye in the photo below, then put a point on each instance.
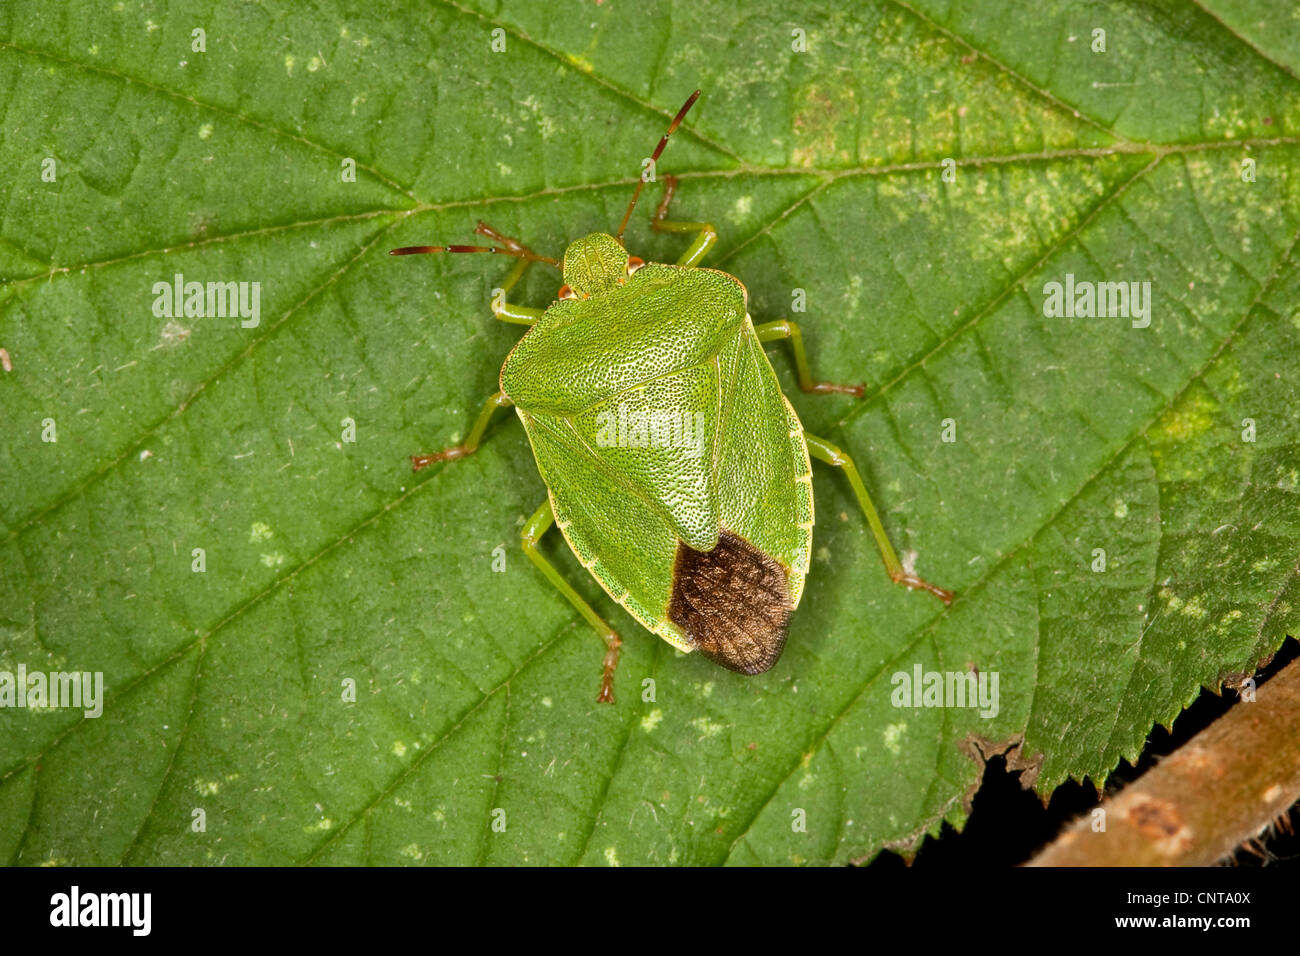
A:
(634, 263)
(565, 293)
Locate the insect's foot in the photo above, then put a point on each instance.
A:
(825, 388)
(447, 454)
(613, 642)
(917, 583)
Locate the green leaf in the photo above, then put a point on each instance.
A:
(328, 561)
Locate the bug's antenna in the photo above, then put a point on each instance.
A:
(508, 247)
(654, 158)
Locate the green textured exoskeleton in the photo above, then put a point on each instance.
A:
(676, 469)
(659, 427)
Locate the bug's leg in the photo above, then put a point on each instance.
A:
(707, 235)
(823, 450)
(502, 309)
(509, 247)
(509, 311)
(470, 444)
(537, 526)
(785, 329)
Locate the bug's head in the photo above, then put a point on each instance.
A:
(594, 264)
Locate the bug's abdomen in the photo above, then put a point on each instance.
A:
(732, 603)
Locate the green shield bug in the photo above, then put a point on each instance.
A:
(675, 467)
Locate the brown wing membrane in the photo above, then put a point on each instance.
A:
(733, 603)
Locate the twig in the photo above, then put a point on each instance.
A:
(1202, 802)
